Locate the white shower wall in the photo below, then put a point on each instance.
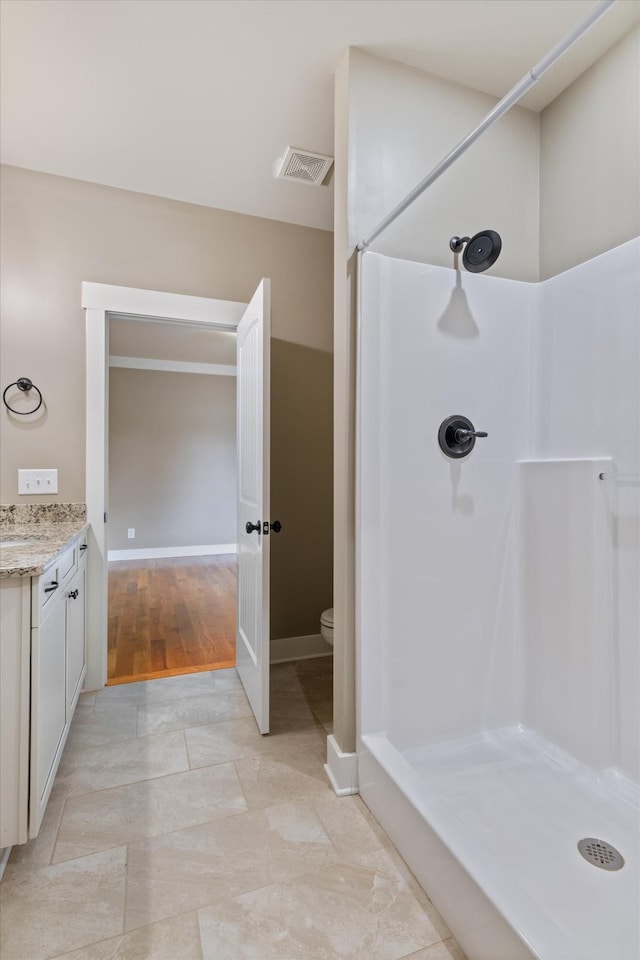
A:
(464, 623)
(585, 403)
(437, 551)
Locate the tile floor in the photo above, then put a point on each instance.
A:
(176, 832)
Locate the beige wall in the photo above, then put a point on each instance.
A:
(172, 459)
(57, 232)
(590, 161)
(301, 433)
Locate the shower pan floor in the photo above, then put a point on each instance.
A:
(511, 808)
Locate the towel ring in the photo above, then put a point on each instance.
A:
(24, 384)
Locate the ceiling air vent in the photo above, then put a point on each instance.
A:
(304, 166)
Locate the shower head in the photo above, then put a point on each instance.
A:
(481, 251)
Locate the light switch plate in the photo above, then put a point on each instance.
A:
(37, 481)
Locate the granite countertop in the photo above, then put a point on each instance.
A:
(46, 531)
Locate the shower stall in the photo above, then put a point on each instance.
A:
(498, 618)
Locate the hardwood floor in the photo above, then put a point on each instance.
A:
(173, 616)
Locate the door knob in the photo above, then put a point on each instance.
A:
(266, 527)
(250, 527)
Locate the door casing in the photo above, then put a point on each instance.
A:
(100, 302)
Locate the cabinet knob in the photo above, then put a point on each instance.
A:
(73, 594)
(249, 527)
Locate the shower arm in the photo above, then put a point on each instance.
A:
(508, 101)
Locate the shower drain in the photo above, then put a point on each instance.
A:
(601, 854)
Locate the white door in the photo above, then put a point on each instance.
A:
(252, 638)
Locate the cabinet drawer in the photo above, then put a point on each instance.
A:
(83, 547)
(49, 584)
(67, 563)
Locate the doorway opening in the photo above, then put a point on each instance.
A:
(172, 499)
(251, 325)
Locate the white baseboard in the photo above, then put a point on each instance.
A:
(159, 553)
(299, 648)
(341, 769)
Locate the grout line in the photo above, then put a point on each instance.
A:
(242, 790)
(199, 932)
(55, 842)
(126, 887)
(96, 853)
(192, 724)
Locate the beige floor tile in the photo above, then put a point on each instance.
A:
(38, 852)
(174, 939)
(300, 874)
(349, 831)
(315, 678)
(389, 863)
(341, 911)
(87, 700)
(166, 689)
(54, 909)
(236, 739)
(445, 950)
(289, 712)
(191, 712)
(323, 711)
(92, 726)
(198, 866)
(109, 818)
(87, 768)
(289, 705)
(295, 773)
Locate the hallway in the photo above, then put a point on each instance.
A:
(176, 832)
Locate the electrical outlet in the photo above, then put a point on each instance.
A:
(131, 533)
(37, 481)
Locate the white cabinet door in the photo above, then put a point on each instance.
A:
(15, 675)
(75, 601)
(48, 702)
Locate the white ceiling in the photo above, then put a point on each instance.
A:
(195, 99)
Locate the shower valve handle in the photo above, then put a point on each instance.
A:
(462, 434)
(457, 436)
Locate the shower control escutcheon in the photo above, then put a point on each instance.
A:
(457, 436)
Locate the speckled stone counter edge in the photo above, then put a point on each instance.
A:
(33, 513)
(47, 529)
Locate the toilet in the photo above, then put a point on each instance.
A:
(326, 625)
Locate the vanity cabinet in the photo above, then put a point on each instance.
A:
(42, 669)
(58, 665)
